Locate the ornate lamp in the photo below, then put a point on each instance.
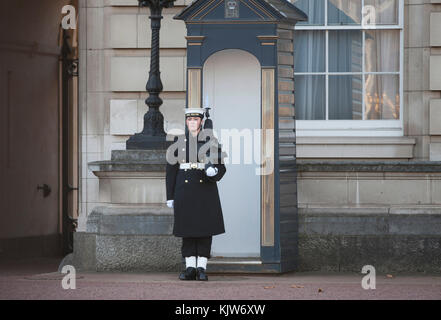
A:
(153, 135)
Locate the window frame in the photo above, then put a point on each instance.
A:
(365, 127)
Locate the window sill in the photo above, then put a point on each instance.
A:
(355, 147)
(349, 128)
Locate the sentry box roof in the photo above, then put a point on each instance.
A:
(249, 10)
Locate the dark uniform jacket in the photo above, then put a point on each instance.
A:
(197, 207)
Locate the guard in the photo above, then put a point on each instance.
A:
(192, 172)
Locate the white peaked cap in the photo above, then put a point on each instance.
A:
(194, 111)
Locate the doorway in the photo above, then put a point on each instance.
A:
(232, 88)
(33, 106)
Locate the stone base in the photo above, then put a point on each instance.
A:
(127, 253)
(387, 254)
(121, 238)
(392, 239)
(140, 141)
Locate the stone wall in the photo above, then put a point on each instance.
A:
(385, 214)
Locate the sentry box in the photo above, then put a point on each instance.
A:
(240, 64)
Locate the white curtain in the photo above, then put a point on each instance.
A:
(386, 11)
(345, 91)
(382, 91)
(309, 90)
(314, 9)
(344, 12)
(309, 56)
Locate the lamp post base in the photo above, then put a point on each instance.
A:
(140, 141)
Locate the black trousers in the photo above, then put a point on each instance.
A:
(196, 247)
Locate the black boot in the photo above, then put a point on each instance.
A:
(188, 274)
(201, 275)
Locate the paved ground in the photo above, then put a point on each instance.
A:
(39, 279)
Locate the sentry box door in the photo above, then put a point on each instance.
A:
(231, 86)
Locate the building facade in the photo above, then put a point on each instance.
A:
(367, 100)
(367, 105)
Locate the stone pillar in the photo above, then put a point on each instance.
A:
(435, 85)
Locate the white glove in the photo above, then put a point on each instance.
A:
(211, 171)
(170, 203)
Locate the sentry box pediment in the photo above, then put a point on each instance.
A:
(240, 63)
(241, 10)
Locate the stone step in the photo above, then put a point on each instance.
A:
(239, 265)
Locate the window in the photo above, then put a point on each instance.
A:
(348, 62)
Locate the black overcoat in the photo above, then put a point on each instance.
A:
(197, 207)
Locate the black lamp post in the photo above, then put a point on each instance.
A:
(153, 135)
